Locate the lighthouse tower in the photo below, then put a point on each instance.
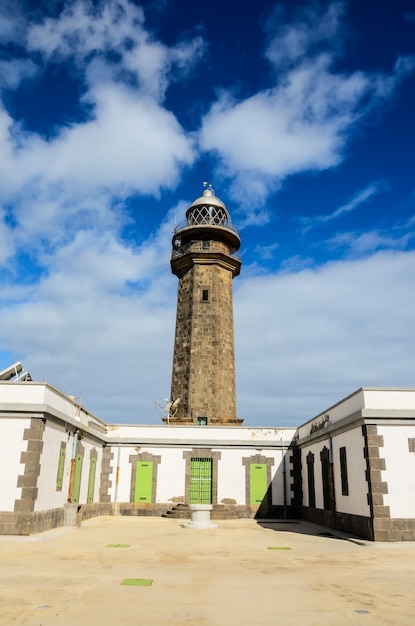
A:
(204, 260)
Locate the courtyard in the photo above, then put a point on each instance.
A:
(147, 571)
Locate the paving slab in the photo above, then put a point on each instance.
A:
(242, 573)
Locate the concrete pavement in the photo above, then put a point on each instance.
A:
(240, 574)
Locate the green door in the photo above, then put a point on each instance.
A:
(200, 481)
(61, 467)
(91, 480)
(258, 482)
(77, 479)
(143, 481)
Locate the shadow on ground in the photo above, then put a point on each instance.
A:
(306, 528)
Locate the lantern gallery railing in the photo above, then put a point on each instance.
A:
(206, 220)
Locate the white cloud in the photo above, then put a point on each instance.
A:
(131, 142)
(13, 72)
(83, 27)
(114, 31)
(311, 30)
(365, 243)
(7, 245)
(306, 339)
(266, 252)
(302, 123)
(100, 317)
(362, 196)
(128, 142)
(12, 23)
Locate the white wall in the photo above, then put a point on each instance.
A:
(172, 468)
(48, 496)
(400, 470)
(315, 448)
(278, 477)
(39, 394)
(348, 406)
(231, 476)
(370, 398)
(203, 433)
(11, 434)
(124, 476)
(356, 502)
(170, 473)
(83, 492)
(394, 399)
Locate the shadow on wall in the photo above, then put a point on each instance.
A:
(274, 504)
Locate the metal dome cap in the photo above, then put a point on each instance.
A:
(208, 209)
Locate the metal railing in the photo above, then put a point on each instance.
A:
(208, 221)
(198, 246)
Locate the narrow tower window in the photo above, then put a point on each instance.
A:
(205, 295)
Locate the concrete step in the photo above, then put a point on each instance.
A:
(219, 511)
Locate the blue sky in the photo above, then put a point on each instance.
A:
(301, 115)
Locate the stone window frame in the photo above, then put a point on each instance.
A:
(143, 457)
(247, 461)
(202, 453)
(204, 289)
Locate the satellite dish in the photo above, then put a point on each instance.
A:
(167, 407)
(174, 406)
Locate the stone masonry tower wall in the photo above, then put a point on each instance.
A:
(203, 379)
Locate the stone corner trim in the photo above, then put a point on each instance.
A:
(31, 461)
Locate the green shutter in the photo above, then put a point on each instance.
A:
(258, 482)
(77, 479)
(61, 467)
(200, 481)
(91, 480)
(143, 481)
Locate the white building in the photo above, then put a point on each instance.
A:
(351, 468)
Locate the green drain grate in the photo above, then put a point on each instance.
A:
(278, 548)
(137, 582)
(118, 545)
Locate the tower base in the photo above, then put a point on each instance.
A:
(201, 421)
